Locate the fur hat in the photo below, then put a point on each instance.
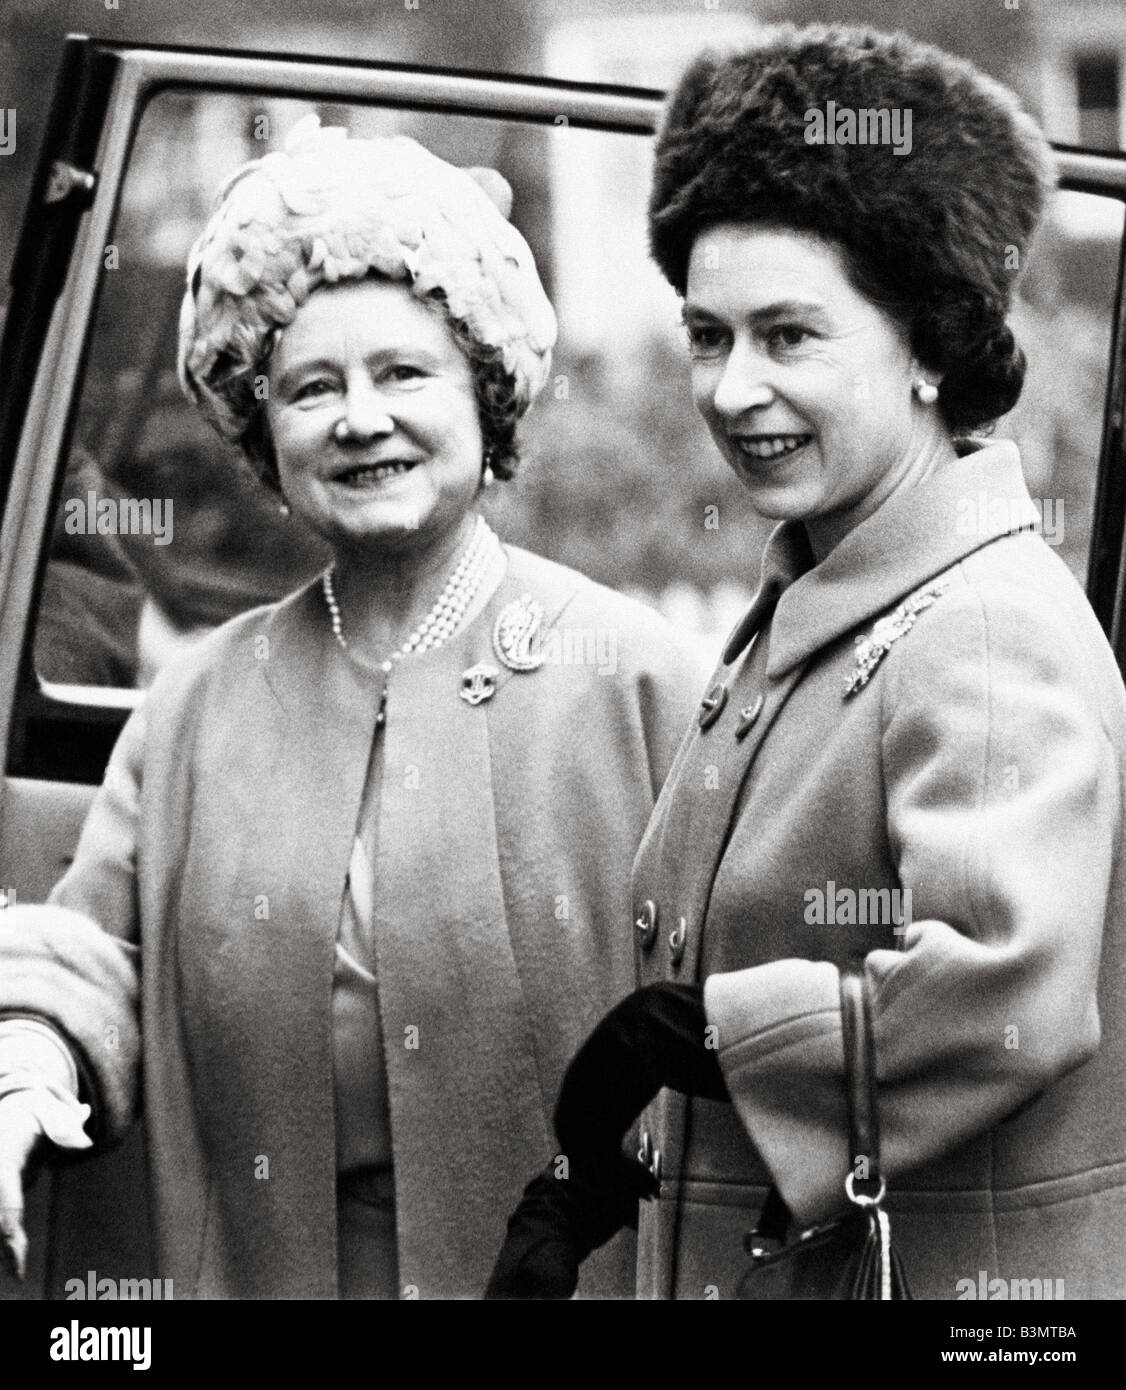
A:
(951, 209)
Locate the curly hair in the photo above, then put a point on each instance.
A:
(495, 390)
(498, 404)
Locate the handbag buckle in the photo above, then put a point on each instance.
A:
(861, 1199)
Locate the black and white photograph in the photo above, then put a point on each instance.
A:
(562, 629)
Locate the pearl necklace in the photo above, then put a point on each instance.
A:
(450, 607)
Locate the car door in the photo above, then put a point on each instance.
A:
(95, 590)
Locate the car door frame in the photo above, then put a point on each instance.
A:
(102, 93)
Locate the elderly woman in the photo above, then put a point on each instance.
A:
(916, 737)
(349, 895)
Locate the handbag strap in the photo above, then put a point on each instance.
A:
(860, 1098)
(860, 1085)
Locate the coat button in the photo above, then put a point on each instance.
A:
(677, 939)
(646, 924)
(760, 1247)
(747, 716)
(711, 706)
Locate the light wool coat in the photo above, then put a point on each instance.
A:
(981, 768)
(207, 891)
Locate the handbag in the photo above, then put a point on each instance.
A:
(851, 1258)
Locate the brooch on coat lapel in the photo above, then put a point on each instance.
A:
(872, 648)
(516, 634)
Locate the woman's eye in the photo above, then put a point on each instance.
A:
(705, 339)
(310, 390)
(786, 335)
(405, 371)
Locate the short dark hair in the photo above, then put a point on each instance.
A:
(961, 335)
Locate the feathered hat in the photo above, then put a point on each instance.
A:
(773, 134)
(331, 208)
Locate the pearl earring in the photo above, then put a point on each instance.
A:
(283, 508)
(488, 477)
(926, 391)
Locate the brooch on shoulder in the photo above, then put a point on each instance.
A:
(874, 646)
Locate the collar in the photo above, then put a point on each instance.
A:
(787, 556)
(916, 534)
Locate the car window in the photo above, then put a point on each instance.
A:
(160, 532)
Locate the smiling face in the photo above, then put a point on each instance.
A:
(408, 469)
(805, 385)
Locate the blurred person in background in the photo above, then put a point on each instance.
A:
(356, 883)
(912, 706)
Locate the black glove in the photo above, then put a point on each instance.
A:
(655, 1037)
(560, 1220)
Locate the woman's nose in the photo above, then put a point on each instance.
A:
(743, 384)
(365, 410)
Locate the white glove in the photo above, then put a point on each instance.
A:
(38, 1097)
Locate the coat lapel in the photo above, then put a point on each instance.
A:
(308, 736)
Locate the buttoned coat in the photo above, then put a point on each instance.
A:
(978, 772)
(205, 897)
